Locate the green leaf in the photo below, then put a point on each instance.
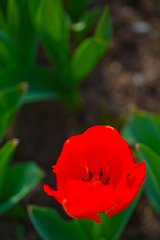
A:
(20, 179)
(12, 16)
(28, 43)
(2, 20)
(85, 25)
(33, 7)
(153, 177)
(142, 128)
(43, 83)
(53, 29)
(151, 157)
(85, 58)
(152, 190)
(50, 225)
(17, 212)
(104, 28)
(76, 8)
(6, 153)
(10, 54)
(10, 102)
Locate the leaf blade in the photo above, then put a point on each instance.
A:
(21, 178)
(104, 28)
(85, 58)
(6, 152)
(50, 226)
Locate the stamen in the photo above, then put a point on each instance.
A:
(83, 179)
(107, 181)
(100, 174)
(90, 175)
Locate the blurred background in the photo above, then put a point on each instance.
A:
(128, 75)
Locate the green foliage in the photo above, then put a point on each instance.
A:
(17, 36)
(17, 180)
(10, 102)
(76, 8)
(89, 51)
(86, 55)
(24, 24)
(50, 225)
(85, 25)
(153, 178)
(104, 29)
(52, 27)
(144, 130)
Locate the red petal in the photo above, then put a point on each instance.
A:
(71, 160)
(77, 210)
(96, 148)
(78, 191)
(109, 149)
(51, 192)
(134, 181)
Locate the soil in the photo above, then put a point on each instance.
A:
(128, 75)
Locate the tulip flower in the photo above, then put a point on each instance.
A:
(96, 173)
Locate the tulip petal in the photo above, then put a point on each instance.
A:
(135, 181)
(51, 192)
(118, 154)
(76, 210)
(71, 160)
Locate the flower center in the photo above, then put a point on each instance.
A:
(97, 178)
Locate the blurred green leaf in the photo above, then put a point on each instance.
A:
(151, 157)
(86, 23)
(10, 102)
(2, 20)
(153, 177)
(17, 212)
(53, 29)
(142, 128)
(33, 7)
(20, 231)
(20, 179)
(104, 28)
(4, 6)
(10, 54)
(76, 8)
(12, 16)
(85, 58)
(6, 153)
(73, 100)
(43, 83)
(153, 191)
(18, 40)
(50, 225)
(27, 38)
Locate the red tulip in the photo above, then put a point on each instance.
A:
(96, 173)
